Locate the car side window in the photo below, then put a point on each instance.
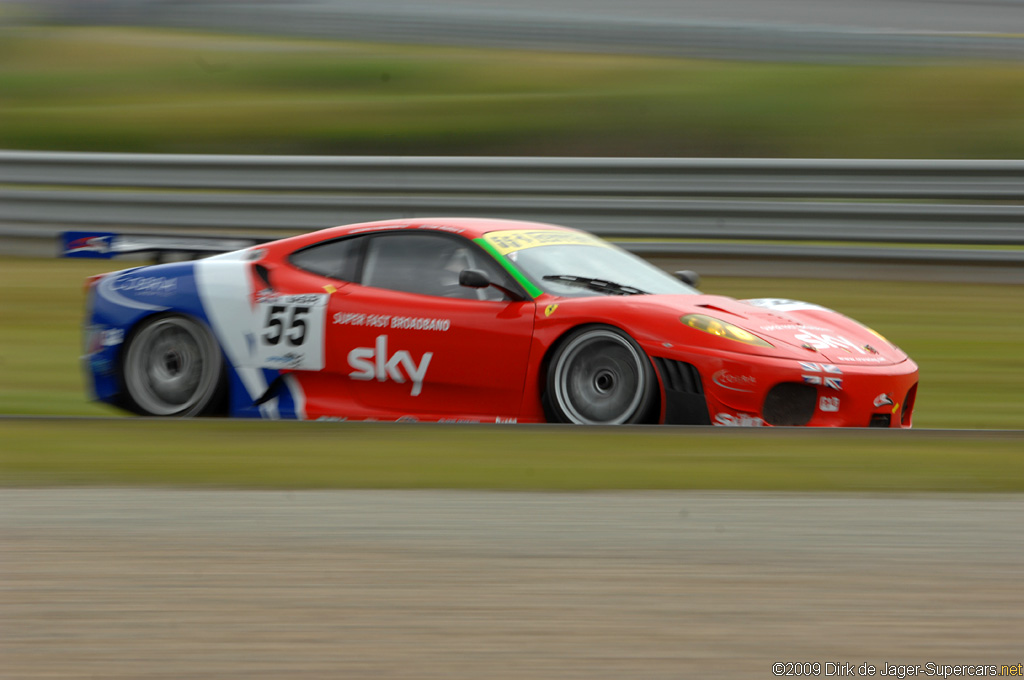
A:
(335, 259)
(428, 264)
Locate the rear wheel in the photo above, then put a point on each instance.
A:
(173, 367)
(600, 376)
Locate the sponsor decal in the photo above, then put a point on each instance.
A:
(399, 227)
(886, 400)
(368, 320)
(330, 289)
(441, 227)
(369, 363)
(112, 337)
(288, 360)
(828, 404)
(459, 421)
(731, 381)
(505, 242)
(304, 299)
(506, 421)
(833, 383)
(410, 323)
(863, 360)
(407, 419)
(825, 380)
(783, 305)
(97, 338)
(791, 327)
(146, 285)
(550, 309)
(820, 368)
(738, 420)
(107, 289)
(89, 244)
(823, 341)
(420, 324)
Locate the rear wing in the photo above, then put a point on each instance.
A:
(108, 245)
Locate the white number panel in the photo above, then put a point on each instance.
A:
(290, 331)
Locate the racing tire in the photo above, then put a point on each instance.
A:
(599, 375)
(173, 367)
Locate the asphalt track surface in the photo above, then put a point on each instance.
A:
(433, 584)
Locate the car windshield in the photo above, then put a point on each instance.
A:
(585, 266)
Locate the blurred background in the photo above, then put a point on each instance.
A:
(724, 78)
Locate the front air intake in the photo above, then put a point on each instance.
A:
(880, 420)
(790, 404)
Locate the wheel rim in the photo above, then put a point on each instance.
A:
(171, 367)
(599, 379)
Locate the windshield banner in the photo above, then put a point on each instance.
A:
(505, 242)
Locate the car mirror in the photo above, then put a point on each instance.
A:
(473, 278)
(689, 277)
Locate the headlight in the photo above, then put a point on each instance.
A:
(714, 326)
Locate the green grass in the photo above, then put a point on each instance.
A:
(284, 455)
(109, 89)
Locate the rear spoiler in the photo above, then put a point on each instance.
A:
(107, 245)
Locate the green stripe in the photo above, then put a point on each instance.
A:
(531, 289)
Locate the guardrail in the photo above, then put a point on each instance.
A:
(958, 203)
(708, 177)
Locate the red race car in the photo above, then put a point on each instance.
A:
(472, 320)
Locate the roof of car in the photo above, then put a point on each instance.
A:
(470, 227)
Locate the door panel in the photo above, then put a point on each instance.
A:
(420, 355)
(414, 342)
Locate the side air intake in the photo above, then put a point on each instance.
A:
(684, 394)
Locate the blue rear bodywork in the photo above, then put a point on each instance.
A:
(120, 301)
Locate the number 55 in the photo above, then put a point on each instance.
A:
(274, 326)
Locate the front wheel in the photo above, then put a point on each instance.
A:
(600, 376)
(173, 367)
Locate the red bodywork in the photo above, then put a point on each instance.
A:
(485, 361)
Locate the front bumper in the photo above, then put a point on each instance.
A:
(763, 391)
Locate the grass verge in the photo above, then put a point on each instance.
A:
(277, 455)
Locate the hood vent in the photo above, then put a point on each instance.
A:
(723, 310)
